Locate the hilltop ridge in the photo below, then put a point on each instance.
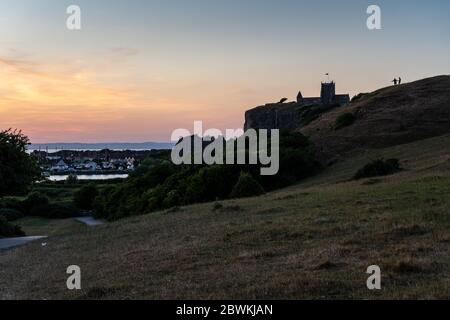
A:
(386, 117)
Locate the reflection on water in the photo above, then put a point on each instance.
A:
(90, 177)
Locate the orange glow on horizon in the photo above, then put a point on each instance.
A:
(60, 103)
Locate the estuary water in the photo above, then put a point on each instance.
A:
(89, 177)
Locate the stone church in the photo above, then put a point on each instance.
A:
(328, 96)
(289, 115)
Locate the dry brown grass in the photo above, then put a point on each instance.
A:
(386, 117)
(314, 240)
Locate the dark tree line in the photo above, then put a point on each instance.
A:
(18, 171)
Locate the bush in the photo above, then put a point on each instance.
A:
(71, 179)
(61, 211)
(9, 230)
(103, 201)
(344, 120)
(158, 186)
(55, 192)
(11, 214)
(85, 196)
(211, 183)
(40, 210)
(9, 203)
(54, 211)
(378, 168)
(246, 186)
(35, 199)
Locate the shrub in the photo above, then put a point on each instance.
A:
(344, 120)
(155, 176)
(85, 196)
(9, 203)
(11, 214)
(54, 211)
(61, 211)
(71, 179)
(40, 210)
(35, 199)
(211, 183)
(9, 230)
(55, 192)
(103, 201)
(246, 186)
(172, 199)
(378, 168)
(157, 186)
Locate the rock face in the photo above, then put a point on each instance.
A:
(271, 116)
(390, 116)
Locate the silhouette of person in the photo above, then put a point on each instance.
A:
(399, 80)
(395, 81)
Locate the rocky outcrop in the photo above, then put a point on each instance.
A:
(273, 116)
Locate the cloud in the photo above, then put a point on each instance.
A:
(22, 66)
(35, 95)
(61, 84)
(101, 98)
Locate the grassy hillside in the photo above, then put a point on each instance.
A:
(313, 240)
(386, 117)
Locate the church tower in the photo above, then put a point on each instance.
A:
(328, 92)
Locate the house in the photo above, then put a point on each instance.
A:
(91, 165)
(107, 165)
(60, 166)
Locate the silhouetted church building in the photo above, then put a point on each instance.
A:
(328, 96)
(283, 115)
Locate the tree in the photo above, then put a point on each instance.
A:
(9, 230)
(246, 186)
(84, 197)
(18, 170)
(72, 179)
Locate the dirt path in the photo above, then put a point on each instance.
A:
(89, 221)
(8, 243)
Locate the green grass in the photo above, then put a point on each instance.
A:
(314, 240)
(62, 193)
(36, 226)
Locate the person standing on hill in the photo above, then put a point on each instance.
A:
(399, 80)
(395, 81)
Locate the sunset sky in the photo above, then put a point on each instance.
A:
(139, 69)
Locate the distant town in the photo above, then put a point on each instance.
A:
(90, 162)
